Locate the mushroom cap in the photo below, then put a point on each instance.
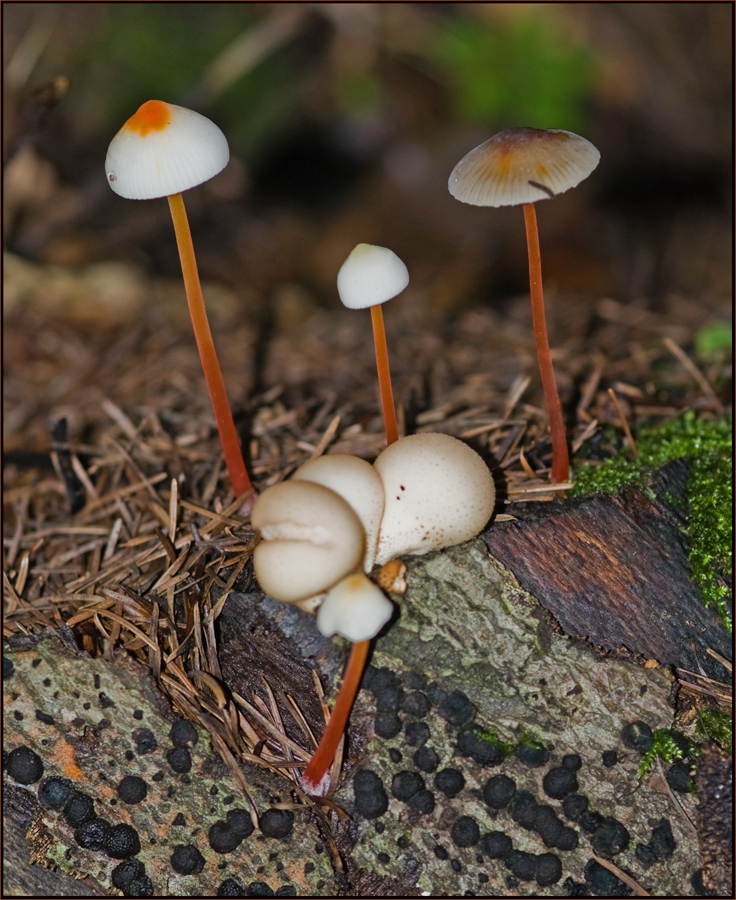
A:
(357, 482)
(439, 492)
(522, 165)
(369, 276)
(162, 150)
(355, 609)
(311, 538)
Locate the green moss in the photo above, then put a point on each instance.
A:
(708, 444)
(716, 725)
(489, 735)
(669, 745)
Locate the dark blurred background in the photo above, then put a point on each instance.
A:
(344, 121)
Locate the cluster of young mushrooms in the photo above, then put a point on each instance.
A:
(324, 530)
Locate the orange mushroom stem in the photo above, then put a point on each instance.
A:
(208, 355)
(560, 456)
(384, 375)
(315, 777)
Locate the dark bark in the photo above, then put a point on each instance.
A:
(614, 570)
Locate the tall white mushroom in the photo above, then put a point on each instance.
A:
(161, 151)
(521, 166)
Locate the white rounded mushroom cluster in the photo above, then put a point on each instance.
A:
(338, 516)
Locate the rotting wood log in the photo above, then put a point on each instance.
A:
(473, 670)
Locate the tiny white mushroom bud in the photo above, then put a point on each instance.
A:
(355, 609)
(371, 275)
(439, 493)
(311, 538)
(358, 483)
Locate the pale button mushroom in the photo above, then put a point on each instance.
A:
(521, 166)
(357, 482)
(355, 609)
(369, 277)
(439, 493)
(161, 151)
(311, 538)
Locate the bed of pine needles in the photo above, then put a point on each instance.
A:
(133, 538)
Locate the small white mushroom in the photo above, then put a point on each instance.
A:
(358, 483)
(439, 492)
(355, 609)
(369, 277)
(311, 538)
(161, 151)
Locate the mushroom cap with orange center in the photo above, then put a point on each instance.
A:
(522, 165)
(162, 150)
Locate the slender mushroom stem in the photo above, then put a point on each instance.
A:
(384, 375)
(560, 458)
(213, 376)
(319, 764)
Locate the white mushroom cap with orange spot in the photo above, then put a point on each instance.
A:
(439, 493)
(357, 482)
(311, 538)
(355, 609)
(369, 276)
(522, 165)
(163, 150)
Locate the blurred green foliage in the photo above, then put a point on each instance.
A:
(162, 50)
(154, 50)
(714, 340)
(519, 70)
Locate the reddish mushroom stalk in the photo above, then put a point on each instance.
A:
(560, 458)
(208, 355)
(315, 775)
(384, 375)
(369, 277)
